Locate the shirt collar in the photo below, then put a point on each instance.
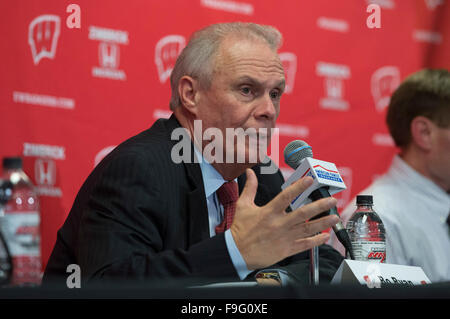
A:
(413, 179)
(212, 180)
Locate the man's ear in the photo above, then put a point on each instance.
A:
(188, 91)
(422, 132)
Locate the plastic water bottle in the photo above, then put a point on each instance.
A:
(5, 256)
(20, 225)
(366, 231)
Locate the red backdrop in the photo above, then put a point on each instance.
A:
(69, 95)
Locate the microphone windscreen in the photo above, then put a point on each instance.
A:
(295, 152)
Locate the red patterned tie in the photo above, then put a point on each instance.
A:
(228, 195)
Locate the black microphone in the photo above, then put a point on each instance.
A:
(294, 153)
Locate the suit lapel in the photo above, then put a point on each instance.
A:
(197, 210)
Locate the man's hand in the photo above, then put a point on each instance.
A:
(265, 235)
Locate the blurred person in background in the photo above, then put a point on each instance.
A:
(412, 197)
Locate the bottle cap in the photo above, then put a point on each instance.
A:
(12, 162)
(364, 200)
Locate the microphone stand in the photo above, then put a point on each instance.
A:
(339, 230)
(314, 266)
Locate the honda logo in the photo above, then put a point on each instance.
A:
(334, 76)
(108, 55)
(333, 88)
(45, 171)
(108, 52)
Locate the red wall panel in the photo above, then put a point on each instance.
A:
(103, 83)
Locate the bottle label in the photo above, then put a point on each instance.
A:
(374, 251)
(21, 232)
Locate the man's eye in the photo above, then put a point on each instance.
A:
(275, 94)
(246, 90)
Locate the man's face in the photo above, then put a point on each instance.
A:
(440, 157)
(247, 84)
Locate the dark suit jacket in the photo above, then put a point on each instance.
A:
(141, 216)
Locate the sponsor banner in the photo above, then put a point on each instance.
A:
(43, 34)
(384, 4)
(427, 36)
(42, 150)
(102, 153)
(333, 24)
(45, 170)
(110, 79)
(334, 76)
(382, 139)
(289, 61)
(108, 35)
(160, 113)
(167, 51)
(108, 52)
(43, 100)
(384, 81)
(229, 6)
(433, 4)
(293, 130)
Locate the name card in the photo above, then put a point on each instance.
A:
(378, 275)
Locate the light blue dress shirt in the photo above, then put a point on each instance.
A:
(212, 180)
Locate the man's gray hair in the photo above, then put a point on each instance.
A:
(198, 57)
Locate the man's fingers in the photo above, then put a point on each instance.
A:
(307, 212)
(308, 243)
(313, 227)
(283, 199)
(251, 185)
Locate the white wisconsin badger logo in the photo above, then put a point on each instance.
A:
(384, 82)
(289, 61)
(43, 33)
(166, 52)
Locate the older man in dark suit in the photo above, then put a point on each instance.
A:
(143, 214)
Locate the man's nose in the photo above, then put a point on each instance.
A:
(266, 109)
